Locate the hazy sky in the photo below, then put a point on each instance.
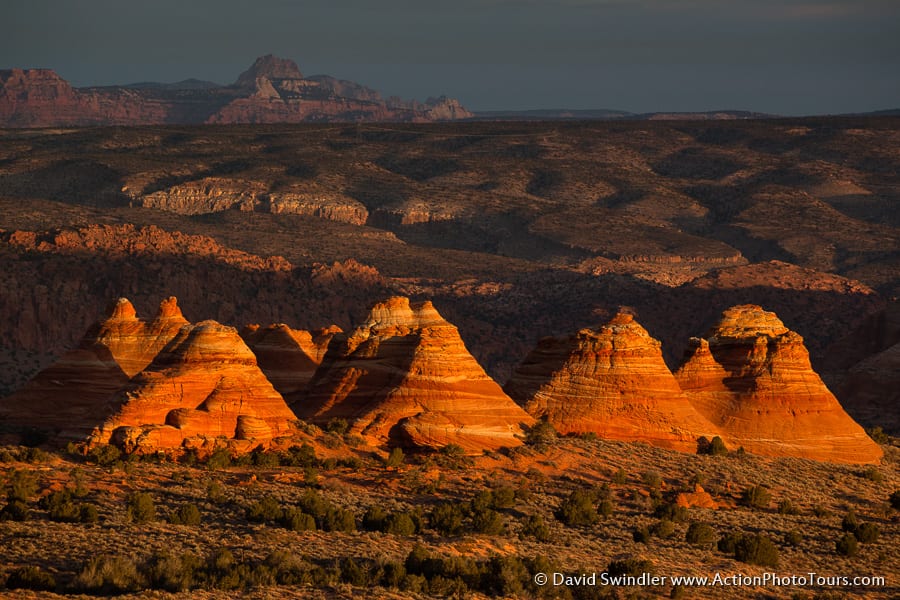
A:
(780, 56)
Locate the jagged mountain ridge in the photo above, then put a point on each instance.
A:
(272, 90)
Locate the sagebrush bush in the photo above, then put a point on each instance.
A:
(267, 510)
(140, 508)
(535, 527)
(31, 578)
(578, 510)
(186, 514)
(700, 534)
(847, 545)
(446, 518)
(757, 496)
(109, 575)
(793, 538)
(663, 529)
(867, 533)
(756, 550)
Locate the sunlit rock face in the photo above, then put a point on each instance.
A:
(611, 381)
(405, 377)
(751, 377)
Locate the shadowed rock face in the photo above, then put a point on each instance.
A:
(68, 398)
(288, 357)
(204, 385)
(405, 376)
(611, 381)
(751, 376)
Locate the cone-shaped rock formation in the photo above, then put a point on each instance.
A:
(405, 376)
(67, 398)
(752, 378)
(288, 357)
(612, 382)
(205, 384)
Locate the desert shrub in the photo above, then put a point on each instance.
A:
(756, 550)
(31, 578)
(700, 534)
(446, 519)
(140, 508)
(109, 575)
(314, 504)
(641, 534)
(488, 521)
(578, 509)
(20, 486)
(15, 511)
(713, 447)
(820, 511)
(267, 510)
(220, 459)
(786, 507)
(895, 500)
(339, 519)
(757, 496)
(867, 533)
(651, 479)
(173, 573)
(332, 441)
(850, 521)
(186, 514)
(541, 433)
(400, 523)
(605, 507)
(89, 514)
(392, 574)
(620, 476)
(629, 566)
(338, 426)
(671, 511)
(353, 573)
(872, 474)
(793, 538)
(847, 545)
(663, 529)
(878, 435)
(395, 458)
(728, 542)
(374, 518)
(295, 519)
(287, 568)
(104, 455)
(503, 497)
(215, 492)
(303, 455)
(535, 527)
(265, 460)
(505, 576)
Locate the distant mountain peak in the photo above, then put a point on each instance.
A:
(270, 67)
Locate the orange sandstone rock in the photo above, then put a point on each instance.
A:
(752, 378)
(288, 357)
(405, 376)
(204, 385)
(612, 382)
(67, 399)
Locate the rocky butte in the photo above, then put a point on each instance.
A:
(204, 386)
(405, 377)
(751, 377)
(272, 90)
(612, 382)
(67, 397)
(288, 357)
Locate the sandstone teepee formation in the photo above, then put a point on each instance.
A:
(288, 357)
(204, 386)
(751, 376)
(66, 398)
(612, 382)
(405, 376)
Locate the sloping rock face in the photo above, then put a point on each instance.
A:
(204, 387)
(68, 397)
(872, 390)
(405, 377)
(272, 90)
(612, 382)
(751, 376)
(288, 357)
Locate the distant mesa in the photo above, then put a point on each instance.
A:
(272, 90)
(751, 377)
(612, 382)
(405, 377)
